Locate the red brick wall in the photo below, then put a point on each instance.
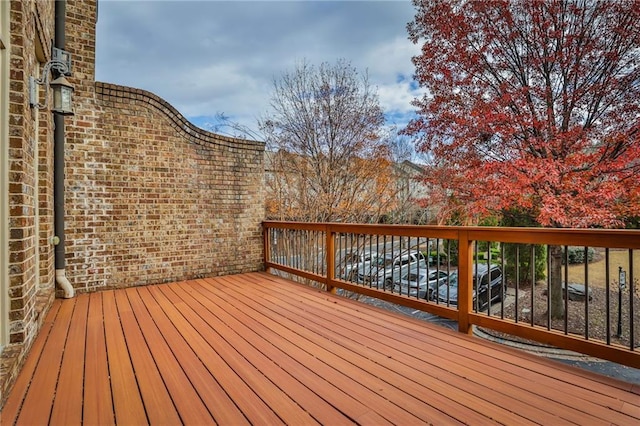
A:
(149, 197)
(26, 143)
(29, 161)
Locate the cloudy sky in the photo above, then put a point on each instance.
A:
(211, 57)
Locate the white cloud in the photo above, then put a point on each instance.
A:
(392, 57)
(209, 57)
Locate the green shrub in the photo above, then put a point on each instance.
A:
(576, 255)
(434, 257)
(450, 247)
(524, 252)
(482, 254)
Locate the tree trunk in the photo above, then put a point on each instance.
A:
(555, 279)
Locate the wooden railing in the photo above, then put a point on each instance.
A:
(608, 327)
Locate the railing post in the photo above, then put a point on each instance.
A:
(266, 246)
(330, 258)
(465, 281)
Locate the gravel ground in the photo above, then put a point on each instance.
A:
(611, 369)
(577, 318)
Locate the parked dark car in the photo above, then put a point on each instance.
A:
(486, 278)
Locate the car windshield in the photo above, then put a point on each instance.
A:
(384, 262)
(453, 279)
(412, 276)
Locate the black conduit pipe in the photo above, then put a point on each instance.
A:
(58, 166)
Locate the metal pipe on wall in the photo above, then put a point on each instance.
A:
(58, 167)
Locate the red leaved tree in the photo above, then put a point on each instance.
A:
(531, 105)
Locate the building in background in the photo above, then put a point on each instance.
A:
(389, 193)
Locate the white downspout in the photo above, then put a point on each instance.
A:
(65, 285)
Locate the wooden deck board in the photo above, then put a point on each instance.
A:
(212, 394)
(484, 354)
(127, 400)
(486, 372)
(284, 368)
(418, 375)
(187, 401)
(448, 384)
(315, 369)
(207, 345)
(43, 384)
(13, 405)
(257, 349)
(98, 405)
(67, 406)
(227, 343)
(342, 359)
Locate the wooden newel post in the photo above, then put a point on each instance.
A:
(330, 259)
(266, 247)
(465, 281)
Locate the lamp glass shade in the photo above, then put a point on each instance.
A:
(62, 91)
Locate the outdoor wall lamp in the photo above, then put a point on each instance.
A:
(62, 89)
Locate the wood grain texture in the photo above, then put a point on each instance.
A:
(258, 349)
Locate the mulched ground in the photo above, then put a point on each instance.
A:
(576, 320)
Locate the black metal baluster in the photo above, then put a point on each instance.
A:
(475, 280)
(503, 282)
(631, 284)
(489, 280)
(549, 269)
(517, 314)
(448, 272)
(408, 269)
(377, 261)
(566, 290)
(607, 295)
(586, 289)
(297, 252)
(532, 264)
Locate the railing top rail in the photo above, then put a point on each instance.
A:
(307, 226)
(372, 229)
(614, 238)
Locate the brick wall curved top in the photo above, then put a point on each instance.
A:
(151, 198)
(114, 92)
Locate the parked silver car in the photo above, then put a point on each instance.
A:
(386, 270)
(420, 282)
(349, 264)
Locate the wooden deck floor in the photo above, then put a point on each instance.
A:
(254, 348)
